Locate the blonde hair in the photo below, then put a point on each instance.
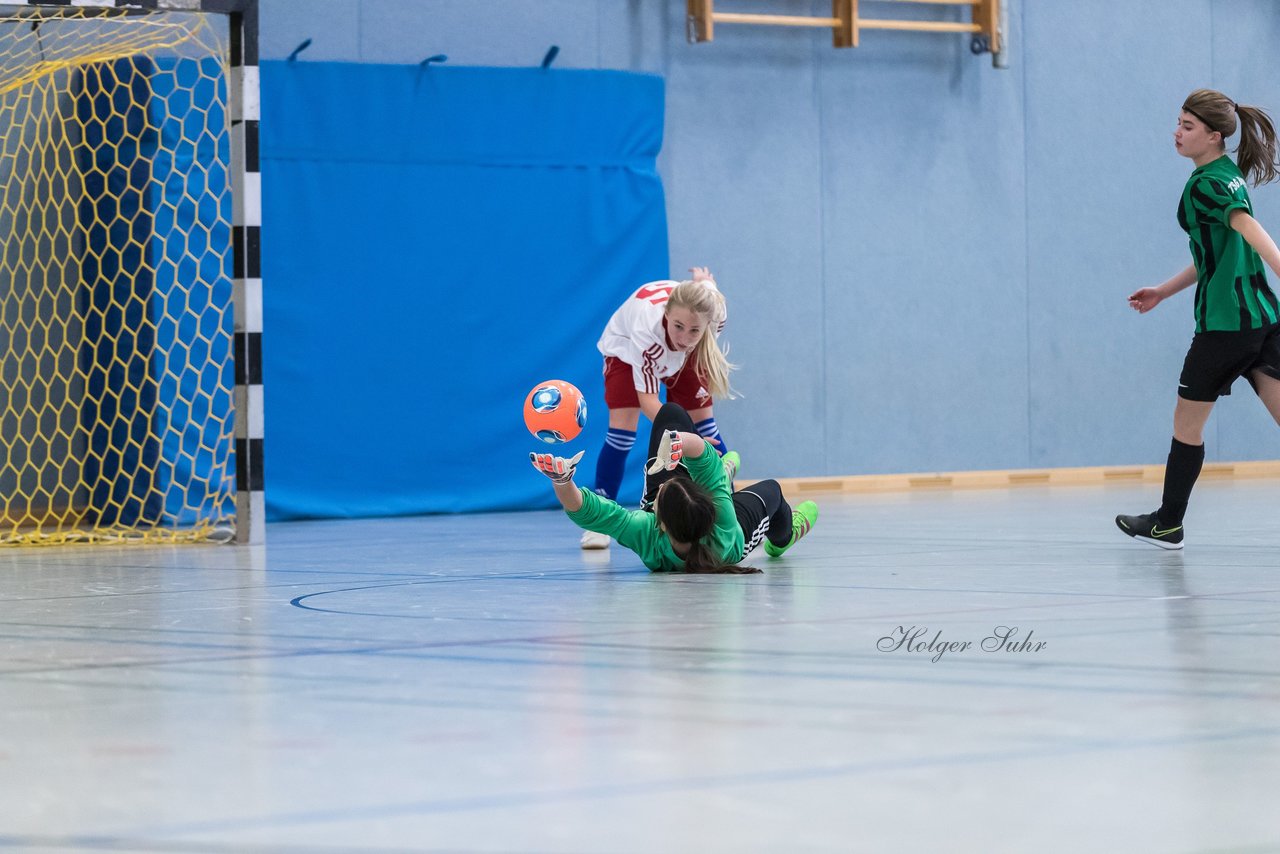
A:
(709, 360)
(1256, 154)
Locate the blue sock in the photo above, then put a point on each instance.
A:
(613, 460)
(708, 430)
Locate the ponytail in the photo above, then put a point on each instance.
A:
(700, 560)
(1256, 154)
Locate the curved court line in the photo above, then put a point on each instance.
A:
(299, 601)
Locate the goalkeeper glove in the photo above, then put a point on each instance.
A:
(558, 469)
(669, 453)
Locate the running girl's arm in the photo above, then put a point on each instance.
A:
(1256, 236)
(1145, 299)
(1180, 281)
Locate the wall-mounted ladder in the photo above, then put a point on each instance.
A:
(985, 24)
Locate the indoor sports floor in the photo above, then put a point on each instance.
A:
(477, 684)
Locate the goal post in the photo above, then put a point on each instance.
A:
(130, 275)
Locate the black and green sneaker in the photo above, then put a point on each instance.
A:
(1148, 529)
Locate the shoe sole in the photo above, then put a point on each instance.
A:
(594, 547)
(1161, 543)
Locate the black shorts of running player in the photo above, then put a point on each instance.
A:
(1217, 359)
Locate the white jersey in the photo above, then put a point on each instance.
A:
(637, 335)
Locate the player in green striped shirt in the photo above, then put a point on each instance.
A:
(1237, 314)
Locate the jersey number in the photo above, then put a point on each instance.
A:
(657, 295)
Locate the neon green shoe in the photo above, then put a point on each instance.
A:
(803, 517)
(730, 461)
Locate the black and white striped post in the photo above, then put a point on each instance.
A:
(246, 232)
(246, 227)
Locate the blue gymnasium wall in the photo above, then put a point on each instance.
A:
(438, 240)
(926, 258)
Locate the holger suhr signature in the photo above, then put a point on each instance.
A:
(916, 639)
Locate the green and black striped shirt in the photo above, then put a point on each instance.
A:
(1231, 284)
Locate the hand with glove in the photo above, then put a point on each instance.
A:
(558, 469)
(670, 450)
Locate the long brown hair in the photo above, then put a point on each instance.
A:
(1256, 153)
(688, 513)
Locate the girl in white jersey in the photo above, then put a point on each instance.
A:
(663, 334)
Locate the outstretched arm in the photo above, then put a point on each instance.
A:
(561, 471)
(1145, 299)
(569, 494)
(1256, 236)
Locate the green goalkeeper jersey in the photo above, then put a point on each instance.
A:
(1231, 285)
(638, 529)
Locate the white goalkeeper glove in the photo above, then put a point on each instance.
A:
(558, 469)
(669, 453)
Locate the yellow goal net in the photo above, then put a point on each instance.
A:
(117, 325)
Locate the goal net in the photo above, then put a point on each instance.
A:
(118, 336)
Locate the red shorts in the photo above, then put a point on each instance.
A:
(685, 388)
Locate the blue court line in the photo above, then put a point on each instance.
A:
(736, 654)
(856, 677)
(411, 648)
(135, 844)
(988, 660)
(391, 581)
(414, 651)
(764, 580)
(691, 784)
(1101, 598)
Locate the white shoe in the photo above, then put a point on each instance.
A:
(592, 540)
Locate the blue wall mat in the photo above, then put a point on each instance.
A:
(158, 400)
(120, 393)
(193, 366)
(439, 240)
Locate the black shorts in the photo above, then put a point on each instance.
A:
(1217, 359)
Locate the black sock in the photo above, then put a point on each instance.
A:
(1179, 478)
(780, 528)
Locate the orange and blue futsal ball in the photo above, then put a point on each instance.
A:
(555, 411)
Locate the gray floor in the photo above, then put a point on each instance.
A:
(478, 684)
